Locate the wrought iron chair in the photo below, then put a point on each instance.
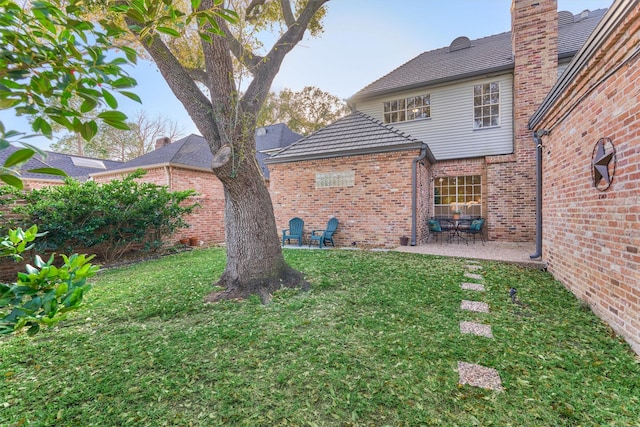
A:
(294, 232)
(325, 236)
(475, 229)
(440, 226)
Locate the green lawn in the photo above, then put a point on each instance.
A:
(375, 342)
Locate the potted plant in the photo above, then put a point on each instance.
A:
(456, 215)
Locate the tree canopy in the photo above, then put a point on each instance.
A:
(48, 56)
(304, 111)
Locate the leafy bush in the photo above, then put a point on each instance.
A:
(43, 294)
(110, 218)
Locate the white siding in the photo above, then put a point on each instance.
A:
(449, 132)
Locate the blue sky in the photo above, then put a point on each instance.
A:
(363, 40)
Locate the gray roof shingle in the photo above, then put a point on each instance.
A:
(488, 54)
(354, 134)
(193, 150)
(60, 161)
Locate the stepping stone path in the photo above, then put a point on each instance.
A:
(469, 373)
(480, 307)
(476, 329)
(472, 287)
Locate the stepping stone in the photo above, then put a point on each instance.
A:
(476, 329)
(472, 287)
(474, 267)
(473, 276)
(472, 261)
(479, 376)
(481, 307)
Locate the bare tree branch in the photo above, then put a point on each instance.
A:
(247, 57)
(253, 5)
(287, 13)
(181, 84)
(267, 70)
(183, 87)
(198, 75)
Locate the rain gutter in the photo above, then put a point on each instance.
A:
(425, 153)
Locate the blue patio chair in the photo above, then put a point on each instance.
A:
(325, 236)
(439, 226)
(294, 232)
(475, 228)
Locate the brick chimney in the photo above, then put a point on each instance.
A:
(162, 142)
(534, 43)
(511, 194)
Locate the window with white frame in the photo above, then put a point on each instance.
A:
(486, 105)
(412, 108)
(461, 194)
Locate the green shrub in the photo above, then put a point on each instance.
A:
(111, 218)
(45, 292)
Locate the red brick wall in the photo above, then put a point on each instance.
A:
(207, 222)
(592, 238)
(374, 212)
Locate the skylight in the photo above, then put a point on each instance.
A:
(88, 163)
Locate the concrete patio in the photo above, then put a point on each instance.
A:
(515, 253)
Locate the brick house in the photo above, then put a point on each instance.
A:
(186, 165)
(589, 130)
(466, 108)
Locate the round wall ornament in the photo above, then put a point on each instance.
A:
(603, 164)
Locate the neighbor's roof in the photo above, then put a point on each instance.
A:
(355, 134)
(78, 167)
(193, 151)
(271, 138)
(484, 55)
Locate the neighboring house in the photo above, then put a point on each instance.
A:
(270, 140)
(589, 130)
(467, 105)
(77, 167)
(186, 165)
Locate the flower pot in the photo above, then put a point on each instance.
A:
(193, 241)
(404, 241)
(184, 241)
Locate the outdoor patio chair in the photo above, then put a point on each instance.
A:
(294, 232)
(475, 229)
(325, 236)
(440, 226)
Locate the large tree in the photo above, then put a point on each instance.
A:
(226, 116)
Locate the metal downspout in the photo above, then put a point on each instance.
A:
(538, 142)
(414, 192)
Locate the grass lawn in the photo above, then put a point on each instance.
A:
(375, 342)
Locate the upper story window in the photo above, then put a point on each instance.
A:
(486, 105)
(412, 108)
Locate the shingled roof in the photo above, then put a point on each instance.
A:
(484, 55)
(355, 134)
(78, 167)
(194, 152)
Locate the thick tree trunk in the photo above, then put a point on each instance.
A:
(255, 264)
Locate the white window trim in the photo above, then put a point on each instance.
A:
(473, 123)
(406, 110)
